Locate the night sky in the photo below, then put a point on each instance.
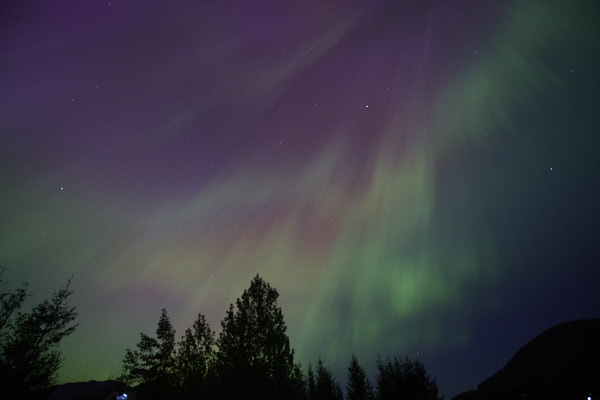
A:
(413, 177)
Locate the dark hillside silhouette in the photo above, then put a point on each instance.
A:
(91, 390)
(561, 363)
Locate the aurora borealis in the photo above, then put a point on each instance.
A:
(412, 177)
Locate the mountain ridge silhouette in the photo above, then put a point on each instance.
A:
(91, 390)
(563, 362)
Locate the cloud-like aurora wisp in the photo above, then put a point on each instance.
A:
(345, 191)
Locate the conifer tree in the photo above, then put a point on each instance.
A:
(338, 392)
(310, 384)
(358, 386)
(153, 363)
(404, 378)
(194, 356)
(254, 358)
(326, 386)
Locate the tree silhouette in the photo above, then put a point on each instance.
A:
(338, 392)
(358, 386)
(254, 359)
(404, 378)
(10, 302)
(29, 350)
(326, 387)
(153, 363)
(311, 387)
(195, 354)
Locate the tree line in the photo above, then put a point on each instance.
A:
(252, 359)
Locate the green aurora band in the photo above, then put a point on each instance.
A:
(377, 252)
